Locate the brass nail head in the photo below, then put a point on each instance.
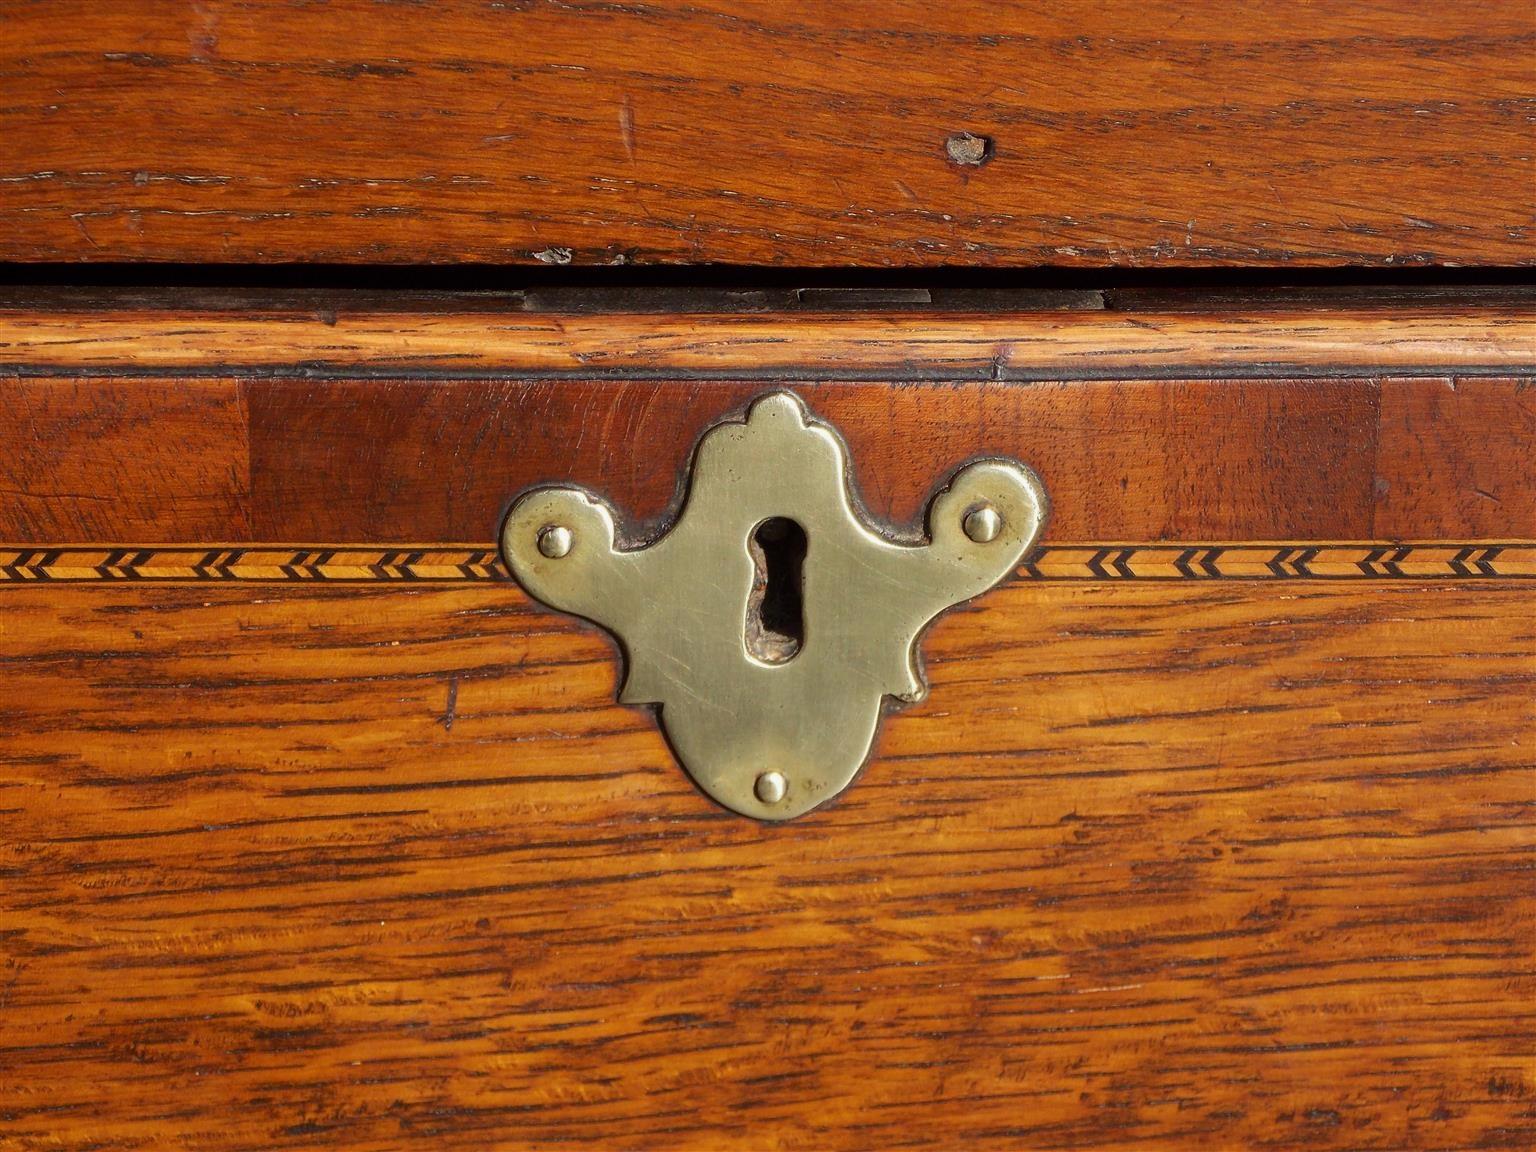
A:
(983, 524)
(770, 787)
(555, 541)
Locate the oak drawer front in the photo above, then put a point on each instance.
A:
(1214, 827)
(882, 133)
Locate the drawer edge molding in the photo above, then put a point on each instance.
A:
(1424, 341)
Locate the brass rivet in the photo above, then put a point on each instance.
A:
(770, 787)
(555, 541)
(983, 524)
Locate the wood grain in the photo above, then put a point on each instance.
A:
(1465, 448)
(900, 346)
(367, 424)
(1133, 460)
(110, 458)
(1173, 864)
(213, 460)
(1127, 133)
(1219, 865)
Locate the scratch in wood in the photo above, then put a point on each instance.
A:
(450, 711)
(627, 128)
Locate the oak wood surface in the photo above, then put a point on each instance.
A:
(1127, 133)
(1187, 864)
(1167, 865)
(1404, 339)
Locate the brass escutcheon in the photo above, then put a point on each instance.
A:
(770, 623)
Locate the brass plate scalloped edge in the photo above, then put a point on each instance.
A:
(471, 563)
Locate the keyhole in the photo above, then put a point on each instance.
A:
(775, 627)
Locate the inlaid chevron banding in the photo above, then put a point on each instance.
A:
(1294, 561)
(330, 563)
(458, 563)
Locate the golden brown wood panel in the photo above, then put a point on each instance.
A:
(1219, 865)
(753, 132)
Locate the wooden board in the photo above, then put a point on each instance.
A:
(1219, 864)
(1214, 831)
(281, 338)
(1126, 134)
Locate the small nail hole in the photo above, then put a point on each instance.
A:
(968, 150)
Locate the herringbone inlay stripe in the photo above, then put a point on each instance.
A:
(463, 562)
